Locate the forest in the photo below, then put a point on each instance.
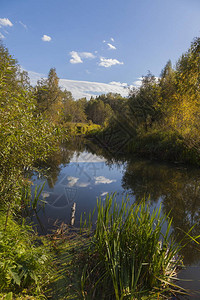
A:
(158, 120)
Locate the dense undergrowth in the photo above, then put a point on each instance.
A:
(25, 260)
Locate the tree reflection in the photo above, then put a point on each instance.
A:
(51, 168)
(179, 189)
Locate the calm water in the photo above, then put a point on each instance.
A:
(81, 174)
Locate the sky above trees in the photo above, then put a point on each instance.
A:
(98, 41)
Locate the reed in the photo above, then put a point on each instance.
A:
(130, 257)
(36, 198)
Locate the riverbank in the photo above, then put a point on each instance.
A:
(87, 263)
(156, 145)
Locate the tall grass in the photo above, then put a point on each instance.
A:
(130, 257)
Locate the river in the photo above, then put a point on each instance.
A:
(81, 173)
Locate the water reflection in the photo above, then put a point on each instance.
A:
(50, 170)
(74, 175)
(179, 189)
(80, 173)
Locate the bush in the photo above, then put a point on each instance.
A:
(25, 263)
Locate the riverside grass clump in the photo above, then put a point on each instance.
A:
(129, 256)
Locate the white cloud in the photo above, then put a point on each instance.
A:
(86, 157)
(72, 181)
(117, 83)
(86, 55)
(103, 194)
(108, 62)
(103, 180)
(75, 58)
(46, 38)
(138, 82)
(111, 47)
(2, 36)
(83, 184)
(45, 195)
(112, 39)
(24, 25)
(34, 76)
(104, 41)
(78, 56)
(5, 22)
(80, 89)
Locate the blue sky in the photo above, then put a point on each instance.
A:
(98, 41)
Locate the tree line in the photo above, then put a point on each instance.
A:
(162, 116)
(60, 106)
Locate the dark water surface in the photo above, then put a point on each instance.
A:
(81, 174)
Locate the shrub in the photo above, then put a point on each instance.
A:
(25, 263)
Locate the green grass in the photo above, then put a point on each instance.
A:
(129, 257)
(126, 256)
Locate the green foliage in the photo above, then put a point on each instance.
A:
(163, 114)
(144, 102)
(167, 83)
(58, 105)
(25, 262)
(116, 101)
(24, 136)
(49, 97)
(36, 198)
(75, 129)
(74, 111)
(130, 257)
(164, 145)
(98, 112)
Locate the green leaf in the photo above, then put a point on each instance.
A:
(9, 296)
(15, 277)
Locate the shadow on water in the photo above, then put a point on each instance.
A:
(81, 172)
(179, 189)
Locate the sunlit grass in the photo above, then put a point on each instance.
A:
(127, 254)
(130, 257)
